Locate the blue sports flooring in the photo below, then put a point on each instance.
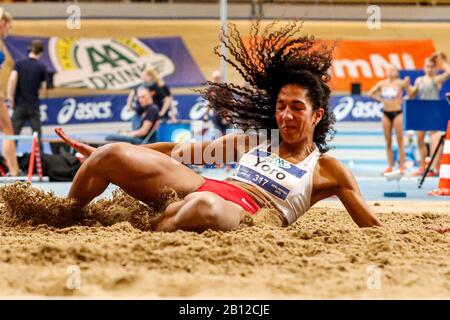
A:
(372, 188)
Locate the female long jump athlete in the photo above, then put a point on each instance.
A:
(289, 92)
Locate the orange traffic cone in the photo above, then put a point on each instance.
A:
(444, 171)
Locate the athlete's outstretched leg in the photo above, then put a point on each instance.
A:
(86, 150)
(142, 173)
(81, 147)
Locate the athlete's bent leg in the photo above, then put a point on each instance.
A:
(142, 173)
(200, 211)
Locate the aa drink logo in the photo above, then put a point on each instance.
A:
(104, 63)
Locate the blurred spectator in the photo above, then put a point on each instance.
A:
(219, 122)
(428, 87)
(149, 121)
(133, 105)
(390, 93)
(161, 95)
(27, 78)
(162, 98)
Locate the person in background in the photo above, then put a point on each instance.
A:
(8, 146)
(390, 93)
(27, 79)
(428, 87)
(221, 125)
(133, 106)
(148, 123)
(219, 122)
(161, 94)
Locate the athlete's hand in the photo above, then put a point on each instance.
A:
(407, 81)
(438, 56)
(442, 56)
(125, 132)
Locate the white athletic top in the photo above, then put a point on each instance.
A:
(288, 185)
(390, 92)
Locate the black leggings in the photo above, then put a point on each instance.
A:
(22, 115)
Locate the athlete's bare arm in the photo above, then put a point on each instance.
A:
(412, 92)
(441, 78)
(374, 92)
(228, 148)
(406, 85)
(332, 178)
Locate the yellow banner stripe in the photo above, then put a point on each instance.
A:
(64, 48)
(128, 42)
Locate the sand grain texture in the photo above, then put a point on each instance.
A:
(323, 255)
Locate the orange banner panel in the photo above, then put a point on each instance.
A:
(366, 61)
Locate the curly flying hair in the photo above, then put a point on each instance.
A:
(269, 60)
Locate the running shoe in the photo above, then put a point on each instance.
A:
(418, 173)
(432, 173)
(387, 170)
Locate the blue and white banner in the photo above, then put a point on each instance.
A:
(356, 108)
(108, 108)
(112, 108)
(345, 108)
(112, 63)
(76, 110)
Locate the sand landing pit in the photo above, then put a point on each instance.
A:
(323, 255)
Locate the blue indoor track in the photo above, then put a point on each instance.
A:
(371, 187)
